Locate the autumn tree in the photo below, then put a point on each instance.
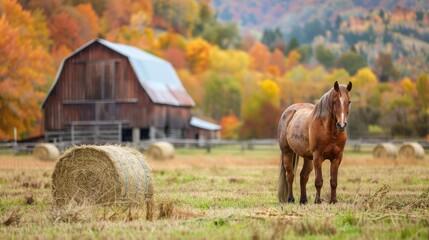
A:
(260, 56)
(89, 16)
(48, 7)
(230, 127)
(385, 68)
(194, 86)
(24, 71)
(363, 114)
(261, 111)
(180, 15)
(65, 30)
(422, 121)
(222, 95)
(232, 62)
(325, 56)
(351, 62)
(98, 5)
(225, 35)
(176, 56)
(198, 55)
(118, 13)
(277, 60)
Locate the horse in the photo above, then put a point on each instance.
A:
(315, 132)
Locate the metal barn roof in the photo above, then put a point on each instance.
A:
(157, 76)
(199, 123)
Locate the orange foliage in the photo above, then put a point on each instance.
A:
(277, 60)
(118, 13)
(65, 31)
(23, 70)
(230, 125)
(260, 56)
(176, 57)
(87, 12)
(292, 59)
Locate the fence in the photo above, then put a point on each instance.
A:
(209, 145)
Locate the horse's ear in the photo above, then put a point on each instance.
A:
(336, 86)
(349, 86)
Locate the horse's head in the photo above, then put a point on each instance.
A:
(341, 104)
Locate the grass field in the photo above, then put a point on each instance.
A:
(227, 194)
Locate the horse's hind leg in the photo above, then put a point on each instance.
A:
(288, 164)
(304, 176)
(282, 191)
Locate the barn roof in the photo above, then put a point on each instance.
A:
(157, 76)
(199, 123)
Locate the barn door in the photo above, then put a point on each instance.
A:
(100, 80)
(101, 88)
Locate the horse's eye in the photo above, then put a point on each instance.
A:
(350, 102)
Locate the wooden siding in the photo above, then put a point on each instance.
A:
(98, 84)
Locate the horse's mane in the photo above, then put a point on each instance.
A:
(323, 107)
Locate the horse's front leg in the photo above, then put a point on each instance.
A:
(318, 183)
(335, 164)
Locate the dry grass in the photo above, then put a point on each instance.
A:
(232, 196)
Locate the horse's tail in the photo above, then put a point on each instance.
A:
(295, 163)
(282, 191)
(283, 186)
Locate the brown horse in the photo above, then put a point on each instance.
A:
(314, 132)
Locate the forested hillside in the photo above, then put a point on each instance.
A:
(238, 78)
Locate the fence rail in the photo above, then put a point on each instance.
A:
(244, 145)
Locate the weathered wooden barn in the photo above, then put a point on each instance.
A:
(109, 92)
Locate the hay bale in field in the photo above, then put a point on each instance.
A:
(102, 175)
(385, 150)
(160, 151)
(411, 150)
(46, 152)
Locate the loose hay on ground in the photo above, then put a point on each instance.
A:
(46, 152)
(102, 175)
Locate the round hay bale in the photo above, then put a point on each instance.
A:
(411, 150)
(46, 152)
(102, 175)
(385, 150)
(160, 151)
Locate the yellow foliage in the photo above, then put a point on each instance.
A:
(364, 81)
(229, 61)
(408, 86)
(270, 92)
(198, 55)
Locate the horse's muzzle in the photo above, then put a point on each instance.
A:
(341, 128)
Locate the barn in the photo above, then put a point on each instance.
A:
(110, 92)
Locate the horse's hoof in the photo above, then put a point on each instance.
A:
(333, 201)
(317, 201)
(303, 201)
(291, 200)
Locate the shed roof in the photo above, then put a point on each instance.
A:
(157, 76)
(199, 123)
